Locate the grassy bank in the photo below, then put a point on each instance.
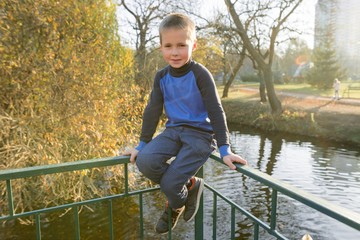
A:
(243, 107)
(257, 115)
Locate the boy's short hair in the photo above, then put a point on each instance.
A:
(178, 21)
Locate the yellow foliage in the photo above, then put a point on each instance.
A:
(66, 90)
(209, 54)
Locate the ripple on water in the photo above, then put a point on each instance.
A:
(327, 171)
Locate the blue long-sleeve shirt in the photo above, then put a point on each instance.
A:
(189, 97)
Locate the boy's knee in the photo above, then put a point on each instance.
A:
(150, 168)
(141, 162)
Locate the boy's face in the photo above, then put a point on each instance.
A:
(176, 47)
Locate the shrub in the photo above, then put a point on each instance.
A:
(67, 94)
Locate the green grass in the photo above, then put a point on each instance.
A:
(304, 88)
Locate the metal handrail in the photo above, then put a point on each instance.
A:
(338, 213)
(11, 174)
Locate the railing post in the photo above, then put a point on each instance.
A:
(214, 216)
(38, 226)
(10, 197)
(256, 231)
(141, 212)
(111, 220)
(126, 175)
(199, 218)
(77, 222)
(273, 209)
(232, 227)
(169, 223)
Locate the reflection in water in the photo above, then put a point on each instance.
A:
(93, 223)
(331, 171)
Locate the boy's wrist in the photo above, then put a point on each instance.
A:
(140, 146)
(224, 150)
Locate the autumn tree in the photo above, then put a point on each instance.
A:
(208, 53)
(66, 93)
(233, 51)
(270, 19)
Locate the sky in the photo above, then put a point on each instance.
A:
(304, 17)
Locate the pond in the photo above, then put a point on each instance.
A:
(328, 170)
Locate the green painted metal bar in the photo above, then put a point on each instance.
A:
(341, 214)
(169, 222)
(214, 215)
(273, 209)
(241, 209)
(232, 222)
(141, 212)
(10, 197)
(126, 174)
(77, 222)
(256, 231)
(61, 167)
(70, 205)
(246, 213)
(199, 226)
(38, 226)
(111, 219)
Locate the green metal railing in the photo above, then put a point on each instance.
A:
(340, 214)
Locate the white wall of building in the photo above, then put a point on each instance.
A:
(342, 18)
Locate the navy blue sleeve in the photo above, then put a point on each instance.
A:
(212, 103)
(153, 111)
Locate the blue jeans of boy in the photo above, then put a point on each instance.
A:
(191, 148)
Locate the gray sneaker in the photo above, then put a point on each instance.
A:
(193, 199)
(162, 225)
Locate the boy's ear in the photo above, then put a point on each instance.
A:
(194, 45)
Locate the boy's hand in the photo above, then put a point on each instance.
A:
(229, 159)
(132, 152)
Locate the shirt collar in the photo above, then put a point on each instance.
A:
(178, 72)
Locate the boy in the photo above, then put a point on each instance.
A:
(187, 92)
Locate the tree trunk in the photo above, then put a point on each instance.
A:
(224, 68)
(232, 77)
(227, 86)
(275, 104)
(262, 88)
(140, 58)
(224, 78)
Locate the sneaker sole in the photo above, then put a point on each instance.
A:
(182, 211)
(201, 188)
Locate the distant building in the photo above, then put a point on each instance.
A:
(340, 19)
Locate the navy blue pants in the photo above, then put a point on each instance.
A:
(191, 148)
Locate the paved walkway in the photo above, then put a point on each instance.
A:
(346, 101)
